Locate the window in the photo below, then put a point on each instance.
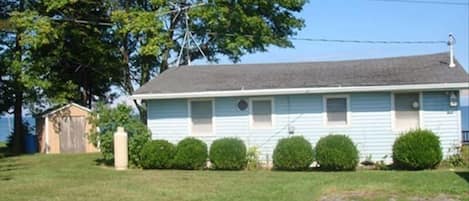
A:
(336, 109)
(201, 117)
(406, 111)
(261, 113)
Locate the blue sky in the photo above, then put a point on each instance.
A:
(373, 20)
(370, 20)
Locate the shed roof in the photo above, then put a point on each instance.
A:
(409, 70)
(59, 108)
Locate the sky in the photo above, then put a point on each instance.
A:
(373, 20)
(388, 20)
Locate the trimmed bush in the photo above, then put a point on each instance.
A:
(336, 152)
(417, 150)
(108, 121)
(293, 153)
(228, 154)
(157, 154)
(191, 154)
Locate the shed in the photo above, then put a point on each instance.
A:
(65, 130)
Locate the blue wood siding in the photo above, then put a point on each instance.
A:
(370, 125)
(167, 119)
(442, 119)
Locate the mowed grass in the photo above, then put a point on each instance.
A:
(79, 177)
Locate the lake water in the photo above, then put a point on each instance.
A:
(6, 126)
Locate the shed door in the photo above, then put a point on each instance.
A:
(72, 135)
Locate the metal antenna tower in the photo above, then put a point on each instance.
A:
(188, 37)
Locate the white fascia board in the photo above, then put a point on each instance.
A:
(66, 106)
(316, 90)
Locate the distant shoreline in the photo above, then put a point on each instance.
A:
(5, 126)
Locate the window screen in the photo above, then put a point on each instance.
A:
(336, 111)
(262, 113)
(406, 109)
(201, 115)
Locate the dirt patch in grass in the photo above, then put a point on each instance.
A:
(440, 197)
(335, 195)
(372, 195)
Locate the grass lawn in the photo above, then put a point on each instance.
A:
(78, 177)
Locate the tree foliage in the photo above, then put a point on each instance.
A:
(22, 79)
(105, 121)
(151, 36)
(56, 51)
(49, 59)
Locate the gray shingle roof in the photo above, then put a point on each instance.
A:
(423, 69)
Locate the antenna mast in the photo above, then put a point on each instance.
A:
(451, 43)
(188, 37)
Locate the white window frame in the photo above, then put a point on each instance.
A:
(272, 115)
(324, 110)
(189, 118)
(393, 109)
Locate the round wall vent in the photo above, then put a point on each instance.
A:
(242, 105)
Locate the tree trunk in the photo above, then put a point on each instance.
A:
(126, 61)
(166, 52)
(18, 133)
(142, 111)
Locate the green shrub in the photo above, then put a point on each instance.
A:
(465, 154)
(293, 153)
(417, 150)
(191, 154)
(252, 158)
(228, 154)
(453, 161)
(157, 154)
(336, 152)
(457, 157)
(108, 121)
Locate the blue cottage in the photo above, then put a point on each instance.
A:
(372, 101)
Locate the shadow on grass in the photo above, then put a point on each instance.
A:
(104, 162)
(7, 165)
(5, 178)
(3, 151)
(10, 167)
(464, 175)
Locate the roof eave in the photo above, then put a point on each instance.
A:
(66, 106)
(291, 91)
